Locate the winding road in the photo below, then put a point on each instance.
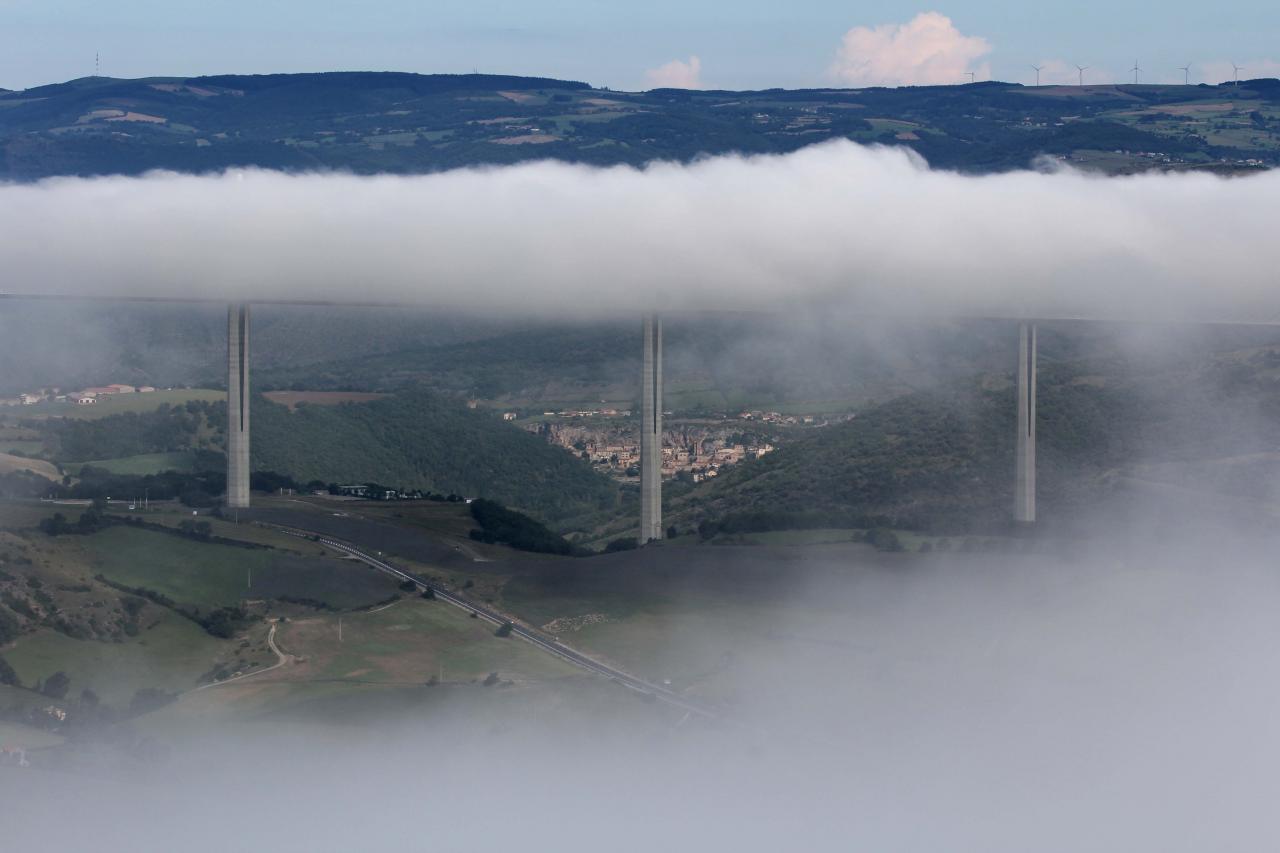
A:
(281, 660)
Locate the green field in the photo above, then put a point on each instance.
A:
(147, 463)
(187, 571)
(115, 404)
(169, 655)
(212, 575)
(17, 515)
(409, 643)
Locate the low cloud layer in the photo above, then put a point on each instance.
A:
(928, 50)
(676, 74)
(871, 228)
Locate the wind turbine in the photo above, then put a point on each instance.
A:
(1037, 70)
(1135, 69)
(1238, 69)
(1186, 74)
(971, 76)
(1082, 69)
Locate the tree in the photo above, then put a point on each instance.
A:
(7, 675)
(55, 525)
(56, 685)
(672, 533)
(504, 630)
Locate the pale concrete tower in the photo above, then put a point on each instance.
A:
(651, 432)
(238, 406)
(1024, 487)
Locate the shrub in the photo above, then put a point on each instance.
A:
(504, 630)
(882, 539)
(199, 530)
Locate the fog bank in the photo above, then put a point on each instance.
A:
(873, 228)
(1121, 699)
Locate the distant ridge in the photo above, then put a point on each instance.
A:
(388, 122)
(418, 83)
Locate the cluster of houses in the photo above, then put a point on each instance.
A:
(86, 397)
(699, 452)
(702, 460)
(778, 418)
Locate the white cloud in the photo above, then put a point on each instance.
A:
(837, 223)
(927, 50)
(675, 75)
(1220, 70)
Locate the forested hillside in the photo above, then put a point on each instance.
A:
(944, 460)
(420, 440)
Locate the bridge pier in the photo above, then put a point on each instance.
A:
(1024, 488)
(238, 406)
(651, 432)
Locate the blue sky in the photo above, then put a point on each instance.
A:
(738, 44)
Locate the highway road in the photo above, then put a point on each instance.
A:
(543, 641)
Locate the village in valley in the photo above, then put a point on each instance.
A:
(696, 449)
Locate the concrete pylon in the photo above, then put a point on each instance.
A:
(651, 432)
(1024, 487)
(238, 406)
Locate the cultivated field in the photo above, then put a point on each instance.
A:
(9, 464)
